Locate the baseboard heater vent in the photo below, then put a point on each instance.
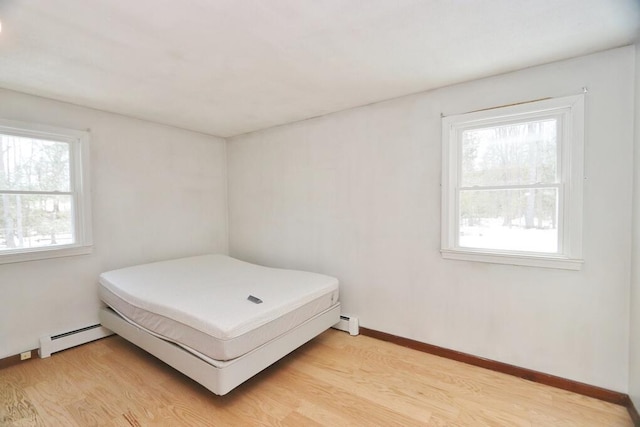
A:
(348, 324)
(56, 343)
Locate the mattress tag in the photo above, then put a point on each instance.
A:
(255, 300)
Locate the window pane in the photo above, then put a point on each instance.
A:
(514, 154)
(33, 164)
(30, 221)
(519, 220)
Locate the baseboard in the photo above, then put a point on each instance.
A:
(66, 340)
(18, 358)
(633, 413)
(527, 374)
(347, 323)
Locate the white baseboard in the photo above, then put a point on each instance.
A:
(56, 343)
(348, 324)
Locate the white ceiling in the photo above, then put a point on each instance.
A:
(226, 67)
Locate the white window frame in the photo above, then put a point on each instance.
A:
(570, 111)
(79, 188)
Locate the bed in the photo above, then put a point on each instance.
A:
(217, 319)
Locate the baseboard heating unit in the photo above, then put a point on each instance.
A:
(348, 324)
(56, 343)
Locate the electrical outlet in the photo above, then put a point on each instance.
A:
(26, 355)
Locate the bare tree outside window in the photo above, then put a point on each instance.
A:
(35, 188)
(509, 187)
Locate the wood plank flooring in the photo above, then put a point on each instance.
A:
(335, 380)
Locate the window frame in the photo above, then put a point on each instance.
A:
(570, 111)
(80, 190)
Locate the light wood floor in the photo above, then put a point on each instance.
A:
(336, 380)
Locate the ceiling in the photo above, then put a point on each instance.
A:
(227, 67)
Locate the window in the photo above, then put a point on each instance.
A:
(512, 184)
(44, 192)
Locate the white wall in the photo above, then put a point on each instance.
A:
(634, 353)
(356, 194)
(158, 192)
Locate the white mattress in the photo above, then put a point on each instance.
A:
(202, 302)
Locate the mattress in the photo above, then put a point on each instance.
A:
(216, 305)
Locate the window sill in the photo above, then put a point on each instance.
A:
(514, 259)
(37, 254)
